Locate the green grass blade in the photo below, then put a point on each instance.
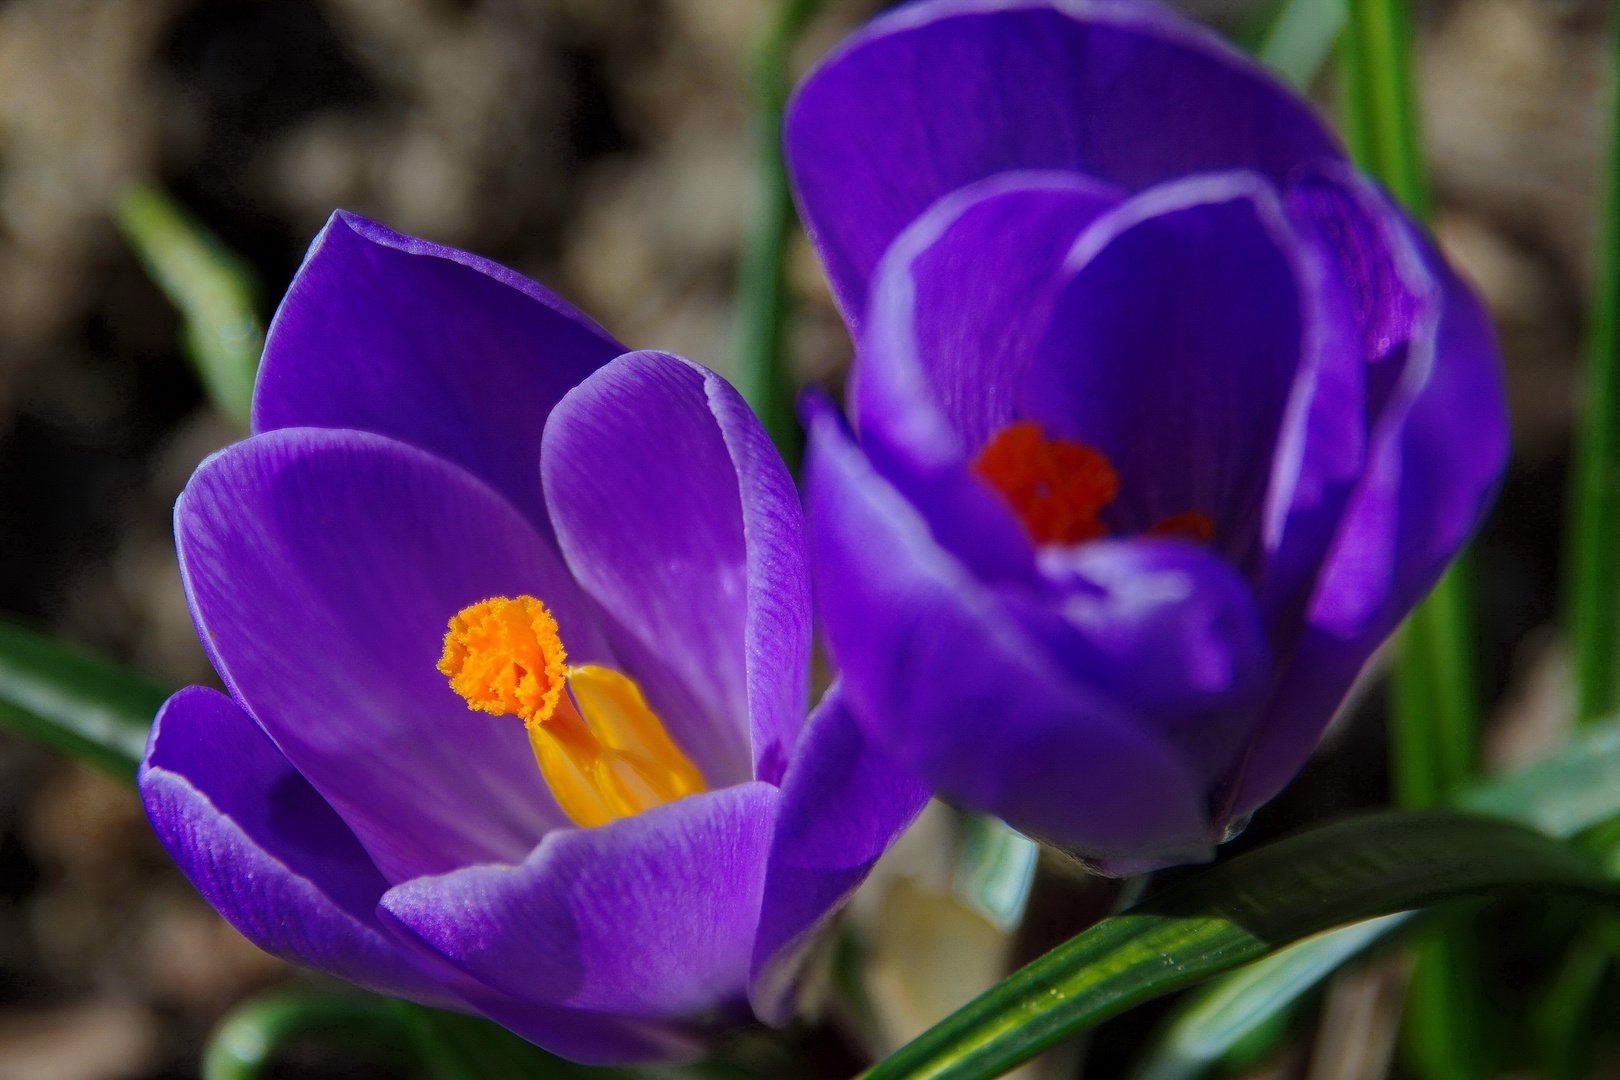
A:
(1238, 912)
(1566, 794)
(405, 1037)
(1592, 603)
(74, 702)
(763, 374)
(1299, 40)
(1435, 710)
(458, 1047)
(1380, 119)
(411, 1038)
(1241, 1003)
(212, 289)
(1561, 1018)
(244, 1043)
(1435, 714)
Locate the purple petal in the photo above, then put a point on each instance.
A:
(937, 673)
(1173, 350)
(1372, 299)
(322, 567)
(592, 1038)
(1446, 328)
(649, 916)
(1170, 627)
(678, 517)
(268, 852)
(958, 305)
(962, 299)
(843, 803)
(441, 349)
(937, 95)
(1434, 470)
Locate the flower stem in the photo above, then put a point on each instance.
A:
(1592, 603)
(762, 369)
(1434, 706)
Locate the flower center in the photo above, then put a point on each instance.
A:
(602, 751)
(1057, 487)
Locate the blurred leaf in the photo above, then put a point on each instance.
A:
(762, 370)
(1592, 588)
(1379, 114)
(212, 288)
(1561, 1016)
(458, 1047)
(1592, 581)
(446, 1045)
(1434, 715)
(1301, 37)
(1235, 913)
(74, 702)
(406, 1036)
(995, 867)
(1230, 1009)
(1574, 790)
(245, 1041)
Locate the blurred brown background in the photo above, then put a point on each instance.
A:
(602, 147)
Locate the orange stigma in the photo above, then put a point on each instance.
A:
(1191, 525)
(1057, 487)
(603, 752)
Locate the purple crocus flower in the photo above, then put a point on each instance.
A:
(432, 432)
(1165, 415)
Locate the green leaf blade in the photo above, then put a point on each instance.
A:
(1236, 913)
(763, 373)
(1592, 598)
(75, 702)
(212, 289)
(1248, 999)
(1300, 38)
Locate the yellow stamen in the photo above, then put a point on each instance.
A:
(602, 751)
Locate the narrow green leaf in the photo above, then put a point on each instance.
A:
(458, 1047)
(1446, 1034)
(1301, 37)
(212, 288)
(763, 374)
(1561, 1016)
(243, 1044)
(1592, 600)
(74, 702)
(1434, 716)
(1235, 913)
(1433, 734)
(1572, 791)
(1243, 1002)
(447, 1046)
(1380, 115)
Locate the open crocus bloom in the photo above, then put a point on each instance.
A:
(461, 492)
(1166, 416)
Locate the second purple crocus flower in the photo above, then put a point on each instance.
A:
(632, 850)
(1166, 417)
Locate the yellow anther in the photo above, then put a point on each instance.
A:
(602, 751)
